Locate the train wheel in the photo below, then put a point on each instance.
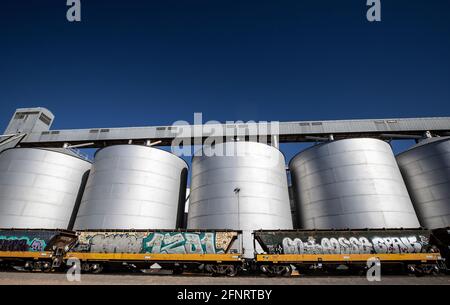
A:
(217, 270)
(232, 270)
(284, 271)
(177, 270)
(85, 267)
(29, 266)
(46, 267)
(211, 269)
(96, 268)
(429, 269)
(416, 270)
(276, 270)
(37, 266)
(288, 271)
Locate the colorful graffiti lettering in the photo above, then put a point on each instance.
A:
(182, 243)
(37, 245)
(345, 241)
(155, 242)
(354, 245)
(110, 242)
(116, 243)
(22, 243)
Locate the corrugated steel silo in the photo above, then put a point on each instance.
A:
(426, 170)
(351, 183)
(244, 190)
(134, 187)
(40, 187)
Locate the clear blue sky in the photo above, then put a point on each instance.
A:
(133, 63)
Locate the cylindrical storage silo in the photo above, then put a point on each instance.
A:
(133, 187)
(351, 183)
(426, 170)
(239, 186)
(40, 187)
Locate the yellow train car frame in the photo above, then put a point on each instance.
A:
(348, 258)
(153, 257)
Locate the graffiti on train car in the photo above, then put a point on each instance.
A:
(188, 242)
(354, 245)
(155, 242)
(21, 243)
(381, 242)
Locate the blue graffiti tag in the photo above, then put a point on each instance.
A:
(181, 243)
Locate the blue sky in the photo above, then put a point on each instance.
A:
(134, 63)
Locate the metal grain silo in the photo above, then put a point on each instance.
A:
(426, 170)
(134, 187)
(40, 187)
(244, 190)
(351, 183)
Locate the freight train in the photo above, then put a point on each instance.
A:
(219, 252)
(330, 191)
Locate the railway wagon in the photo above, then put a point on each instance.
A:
(338, 250)
(34, 249)
(193, 250)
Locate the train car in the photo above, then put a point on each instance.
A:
(34, 249)
(210, 251)
(335, 250)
